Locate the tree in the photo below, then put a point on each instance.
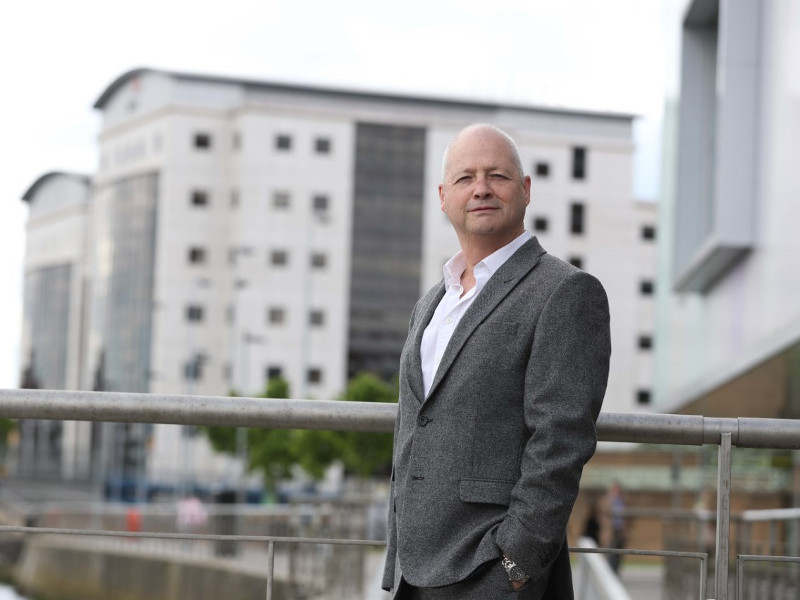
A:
(275, 452)
(368, 453)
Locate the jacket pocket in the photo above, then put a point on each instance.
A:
(486, 491)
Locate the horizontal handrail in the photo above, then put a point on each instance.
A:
(363, 416)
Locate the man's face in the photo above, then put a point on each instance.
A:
(483, 193)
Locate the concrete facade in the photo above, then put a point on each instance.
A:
(729, 315)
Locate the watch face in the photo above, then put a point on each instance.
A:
(516, 574)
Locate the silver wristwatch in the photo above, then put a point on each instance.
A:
(514, 571)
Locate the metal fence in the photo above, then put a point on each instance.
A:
(354, 416)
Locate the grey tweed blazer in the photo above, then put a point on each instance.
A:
(492, 457)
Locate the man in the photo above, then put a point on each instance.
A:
(501, 380)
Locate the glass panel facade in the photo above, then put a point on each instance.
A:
(387, 244)
(130, 230)
(47, 302)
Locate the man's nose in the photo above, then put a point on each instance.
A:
(482, 188)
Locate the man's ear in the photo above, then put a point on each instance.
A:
(526, 184)
(441, 196)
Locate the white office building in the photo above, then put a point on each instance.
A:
(729, 303)
(238, 230)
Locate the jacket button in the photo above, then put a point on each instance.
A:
(423, 420)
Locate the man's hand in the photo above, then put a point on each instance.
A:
(518, 584)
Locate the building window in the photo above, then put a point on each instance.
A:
(540, 224)
(648, 232)
(320, 203)
(193, 369)
(279, 258)
(273, 372)
(576, 261)
(646, 287)
(234, 198)
(645, 342)
(276, 315)
(197, 255)
(643, 397)
(316, 318)
(579, 160)
(281, 200)
(319, 260)
(202, 141)
(314, 375)
(199, 198)
(322, 145)
(194, 313)
(283, 142)
(577, 217)
(542, 170)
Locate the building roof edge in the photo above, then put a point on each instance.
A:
(42, 179)
(254, 84)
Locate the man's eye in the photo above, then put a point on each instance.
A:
(499, 176)
(462, 179)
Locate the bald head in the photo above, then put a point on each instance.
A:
(483, 129)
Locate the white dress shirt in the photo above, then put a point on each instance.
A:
(453, 305)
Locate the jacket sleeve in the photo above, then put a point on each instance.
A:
(391, 528)
(565, 382)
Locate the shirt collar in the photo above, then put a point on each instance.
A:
(454, 268)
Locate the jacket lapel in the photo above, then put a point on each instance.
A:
(426, 308)
(498, 286)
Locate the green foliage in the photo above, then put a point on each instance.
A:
(368, 453)
(275, 452)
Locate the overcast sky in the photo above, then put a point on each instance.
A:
(57, 57)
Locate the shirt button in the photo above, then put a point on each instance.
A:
(423, 420)
(448, 320)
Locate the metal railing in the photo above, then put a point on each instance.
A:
(375, 417)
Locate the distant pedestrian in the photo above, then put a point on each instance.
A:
(192, 514)
(614, 534)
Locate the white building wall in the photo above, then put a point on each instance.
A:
(753, 311)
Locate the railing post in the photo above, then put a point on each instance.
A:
(723, 517)
(270, 568)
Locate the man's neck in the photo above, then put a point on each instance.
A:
(476, 248)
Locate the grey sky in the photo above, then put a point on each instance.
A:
(57, 57)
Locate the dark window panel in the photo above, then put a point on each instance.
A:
(645, 342)
(579, 162)
(197, 255)
(577, 218)
(202, 141)
(319, 260)
(576, 261)
(194, 313)
(314, 375)
(281, 199)
(283, 142)
(542, 170)
(643, 397)
(276, 315)
(316, 318)
(279, 258)
(320, 203)
(322, 145)
(199, 198)
(540, 224)
(273, 372)
(646, 287)
(648, 232)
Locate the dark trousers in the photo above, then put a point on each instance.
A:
(489, 583)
